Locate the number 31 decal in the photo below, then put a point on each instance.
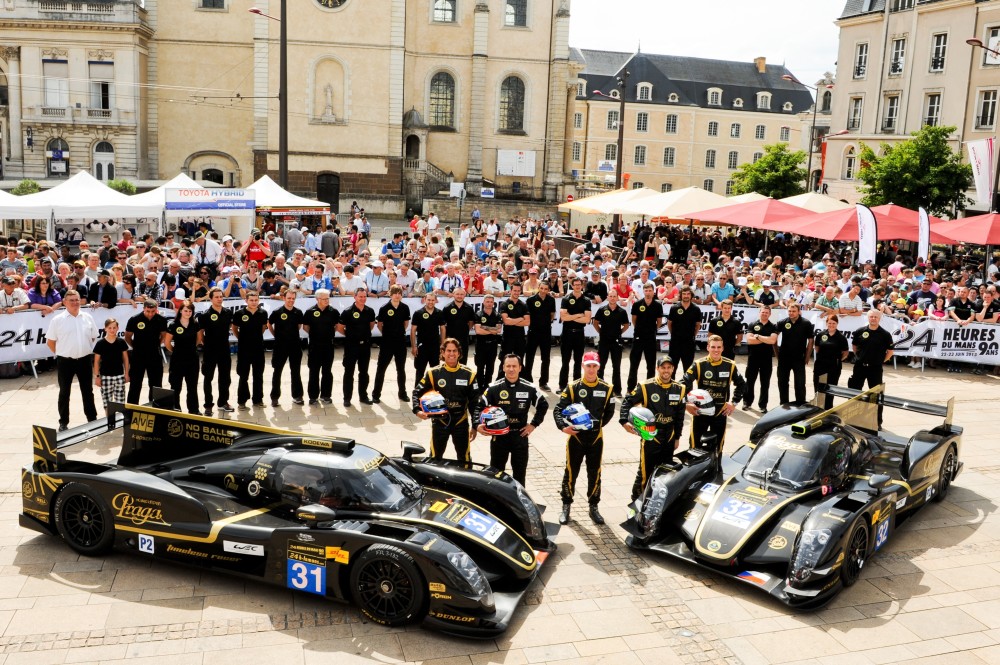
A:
(306, 577)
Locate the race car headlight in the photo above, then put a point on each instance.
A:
(653, 505)
(811, 546)
(463, 564)
(535, 526)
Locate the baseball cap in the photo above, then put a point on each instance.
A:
(766, 282)
(665, 358)
(591, 358)
(8, 280)
(301, 270)
(104, 273)
(377, 264)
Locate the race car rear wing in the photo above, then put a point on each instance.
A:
(861, 408)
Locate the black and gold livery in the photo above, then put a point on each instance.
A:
(666, 401)
(458, 387)
(798, 510)
(719, 379)
(586, 445)
(408, 539)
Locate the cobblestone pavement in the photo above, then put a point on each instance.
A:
(932, 595)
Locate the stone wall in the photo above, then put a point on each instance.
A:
(502, 210)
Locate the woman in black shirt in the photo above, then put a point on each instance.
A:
(111, 364)
(831, 352)
(182, 342)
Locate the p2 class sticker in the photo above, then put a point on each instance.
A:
(147, 544)
(709, 488)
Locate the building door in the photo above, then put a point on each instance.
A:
(104, 161)
(328, 191)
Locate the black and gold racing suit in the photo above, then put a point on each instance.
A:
(587, 444)
(666, 401)
(716, 378)
(517, 400)
(457, 386)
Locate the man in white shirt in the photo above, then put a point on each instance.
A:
(12, 298)
(406, 278)
(433, 222)
(376, 280)
(350, 283)
(850, 302)
(464, 236)
(71, 337)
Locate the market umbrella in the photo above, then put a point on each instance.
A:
(904, 215)
(746, 198)
(817, 202)
(978, 230)
(679, 203)
(843, 225)
(754, 214)
(607, 203)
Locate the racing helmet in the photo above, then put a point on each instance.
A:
(578, 417)
(494, 420)
(433, 403)
(703, 401)
(643, 421)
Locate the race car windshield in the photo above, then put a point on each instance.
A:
(783, 460)
(369, 481)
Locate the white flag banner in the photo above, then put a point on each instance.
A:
(982, 157)
(867, 235)
(924, 233)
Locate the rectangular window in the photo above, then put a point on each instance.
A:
(734, 160)
(56, 76)
(900, 5)
(760, 132)
(763, 101)
(783, 135)
(932, 109)
(611, 152)
(987, 105)
(709, 159)
(891, 119)
(757, 156)
(854, 118)
(729, 188)
(642, 122)
(849, 166)
(639, 158)
(577, 121)
(102, 86)
(444, 11)
(708, 185)
(516, 13)
(213, 4)
(713, 128)
(671, 126)
(645, 92)
(581, 89)
(860, 60)
(666, 187)
(993, 42)
(638, 185)
(734, 130)
(613, 120)
(939, 46)
(715, 98)
(576, 151)
(669, 156)
(898, 56)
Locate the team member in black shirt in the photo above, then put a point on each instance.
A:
(831, 352)
(610, 322)
(356, 323)
(320, 323)
(962, 311)
(214, 326)
(716, 375)
(144, 333)
(683, 322)
(284, 324)
(596, 290)
(487, 340)
(761, 338)
(766, 296)
(542, 308)
(181, 340)
(728, 327)
(457, 384)
(393, 320)
(459, 317)
(516, 319)
(249, 324)
(426, 335)
(872, 349)
(794, 351)
(647, 317)
(575, 315)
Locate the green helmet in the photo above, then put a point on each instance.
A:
(643, 421)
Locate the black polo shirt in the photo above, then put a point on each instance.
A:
(683, 325)
(217, 326)
(596, 290)
(251, 327)
(795, 336)
(963, 310)
(541, 314)
(357, 323)
(573, 305)
(761, 351)
(768, 297)
(646, 315)
(727, 330)
(394, 320)
(612, 321)
(457, 319)
(428, 326)
(322, 325)
(146, 333)
(830, 348)
(870, 346)
(514, 310)
(285, 323)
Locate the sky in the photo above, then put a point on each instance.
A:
(798, 33)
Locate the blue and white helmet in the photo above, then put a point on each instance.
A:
(578, 417)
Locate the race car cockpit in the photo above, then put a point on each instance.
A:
(784, 459)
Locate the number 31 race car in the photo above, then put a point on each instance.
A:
(406, 539)
(799, 510)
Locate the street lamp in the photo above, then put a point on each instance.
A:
(622, 83)
(282, 91)
(812, 128)
(995, 202)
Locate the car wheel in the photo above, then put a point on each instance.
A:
(948, 465)
(84, 520)
(855, 555)
(387, 586)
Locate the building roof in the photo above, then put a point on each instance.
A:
(859, 7)
(691, 78)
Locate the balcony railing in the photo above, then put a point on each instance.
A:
(99, 114)
(896, 67)
(93, 7)
(888, 125)
(53, 112)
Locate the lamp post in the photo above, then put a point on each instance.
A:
(812, 127)
(622, 80)
(995, 199)
(282, 90)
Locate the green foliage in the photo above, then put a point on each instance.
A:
(123, 186)
(26, 186)
(778, 173)
(921, 171)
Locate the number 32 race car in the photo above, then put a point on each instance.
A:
(407, 539)
(799, 510)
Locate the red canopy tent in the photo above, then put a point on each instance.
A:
(753, 214)
(843, 225)
(979, 230)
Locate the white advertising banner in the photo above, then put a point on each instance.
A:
(981, 154)
(924, 233)
(867, 235)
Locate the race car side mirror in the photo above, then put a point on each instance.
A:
(877, 483)
(411, 449)
(313, 514)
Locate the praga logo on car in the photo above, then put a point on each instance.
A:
(137, 511)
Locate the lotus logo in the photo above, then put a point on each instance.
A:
(714, 546)
(778, 543)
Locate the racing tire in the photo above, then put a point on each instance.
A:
(948, 465)
(855, 555)
(84, 520)
(388, 587)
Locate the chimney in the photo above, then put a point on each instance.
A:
(761, 64)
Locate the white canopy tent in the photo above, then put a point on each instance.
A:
(158, 196)
(606, 203)
(679, 203)
(272, 198)
(81, 196)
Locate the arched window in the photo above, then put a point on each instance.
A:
(512, 104)
(734, 130)
(57, 156)
(104, 161)
(442, 100)
(734, 160)
(713, 128)
(671, 126)
(644, 92)
(850, 163)
(516, 13)
(709, 159)
(708, 185)
(213, 175)
(827, 102)
(444, 11)
(763, 100)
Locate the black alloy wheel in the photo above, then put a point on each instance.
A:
(855, 555)
(388, 586)
(84, 520)
(948, 466)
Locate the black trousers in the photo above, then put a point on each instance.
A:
(758, 368)
(216, 361)
(702, 426)
(320, 371)
(872, 374)
(390, 350)
(428, 355)
(641, 348)
(577, 452)
(611, 350)
(511, 446)
(459, 435)
(651, 455)
(287, 351)
(682, 354)
(571, 345)
(184, 373)
(534, 343)
(486, 360)
(250, 363)
(832, 372)
(796, 367)
(357, 357)
(143, 363)
(515, 344)
(82, 369)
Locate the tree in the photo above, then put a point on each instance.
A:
(921, 171)
(778, 173)
(122, 185)
(26, 186)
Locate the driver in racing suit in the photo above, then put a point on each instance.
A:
(715, 374)
(456, 383)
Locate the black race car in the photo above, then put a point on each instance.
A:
(799, 509)
(407, 539)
